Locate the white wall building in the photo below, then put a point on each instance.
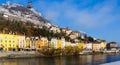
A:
(63, 42)
(89, 46)
(21, 41)
(53, 42)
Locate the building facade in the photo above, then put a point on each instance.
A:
(80, 45)
(44, 41)
(89, 46)
(103, 44)
(21, 42)
(112, 45)
(9, 42)
(96, 46)
(59, 43)
(53, 42)
(28, 43)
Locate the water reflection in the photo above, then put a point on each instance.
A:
(69, 60)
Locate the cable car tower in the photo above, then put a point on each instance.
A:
(29, 5)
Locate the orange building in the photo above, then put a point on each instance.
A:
(43, 42)
(96, 46)
(39, 44)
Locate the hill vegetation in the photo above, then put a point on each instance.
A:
(31, 29)
(26, 28)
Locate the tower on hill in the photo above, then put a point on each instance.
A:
(29, 5)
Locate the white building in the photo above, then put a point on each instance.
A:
(67, 43)
(28, 43)
(21, 42)
(88, 46)
(53, 42)
(63, 42)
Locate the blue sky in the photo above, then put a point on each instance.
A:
(98, 18)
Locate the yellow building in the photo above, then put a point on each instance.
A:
(103, 44)
(39, 44)
(59, 43)
(43, 42)
(80, 45)
(8, 42)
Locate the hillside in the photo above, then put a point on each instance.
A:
(17, 19)
(21, 13)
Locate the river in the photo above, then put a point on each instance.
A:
(68, 60)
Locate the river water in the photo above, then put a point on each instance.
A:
(69, 60)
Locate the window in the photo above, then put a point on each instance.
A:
(5, 44)
(5, 40)
(9, 41)
(0, 40)
(10, 45)
(5, 37)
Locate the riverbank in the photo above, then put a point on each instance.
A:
(33, 54)
(20, 54)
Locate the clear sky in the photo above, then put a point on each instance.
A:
(98, 18)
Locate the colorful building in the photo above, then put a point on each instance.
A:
(33, 45)
(38, 44)
(43, 42)
(96, 46)
(59, 43)
(28, 43)
(9, 42)
(56, 43)
(112, 45)
(103, 44)
(80, 45)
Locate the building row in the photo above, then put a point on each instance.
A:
(10, 42)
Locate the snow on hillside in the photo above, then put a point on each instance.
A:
(19, 12)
